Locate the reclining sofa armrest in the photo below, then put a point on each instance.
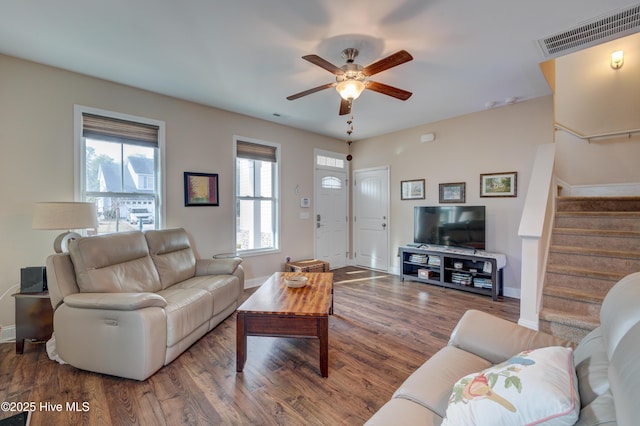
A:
(217, 266)
(496, 339)
(115, 301)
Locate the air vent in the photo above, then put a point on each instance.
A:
(600, 30)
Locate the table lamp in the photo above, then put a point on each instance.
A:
(65, 215)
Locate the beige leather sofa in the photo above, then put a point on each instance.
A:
(126, 304)
(607, 364)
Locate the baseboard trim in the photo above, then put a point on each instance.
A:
(529, 324)
(513, 293)
(8, 334)
(255, 282)
(604, 190)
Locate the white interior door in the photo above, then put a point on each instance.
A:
(331, 217)
(371, 218)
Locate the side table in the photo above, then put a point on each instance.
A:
(34, 318)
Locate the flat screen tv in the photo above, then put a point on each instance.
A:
(452, 226)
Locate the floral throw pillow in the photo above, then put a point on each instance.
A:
(533, 387)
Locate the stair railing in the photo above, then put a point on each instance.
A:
(535, 232)
(588, 138)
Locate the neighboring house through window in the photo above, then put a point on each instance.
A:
(257, 207)
(118, 167)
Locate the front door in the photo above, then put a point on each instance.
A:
(371, 218)
(331, 217)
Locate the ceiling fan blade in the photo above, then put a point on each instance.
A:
(310, 91)
(388, 90)
(345, 106)
(389, 62)
(322, 63)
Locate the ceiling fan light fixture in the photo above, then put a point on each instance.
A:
(350, 89)
(351, 78)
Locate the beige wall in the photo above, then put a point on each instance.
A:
(592, 98)
(36, 156)
(498, 140)
(36, 164)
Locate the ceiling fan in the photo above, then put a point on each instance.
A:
(351, 78)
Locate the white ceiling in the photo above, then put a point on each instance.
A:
(245, 55)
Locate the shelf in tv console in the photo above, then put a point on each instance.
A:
(469, 270)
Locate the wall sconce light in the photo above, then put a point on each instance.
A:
(617, 59)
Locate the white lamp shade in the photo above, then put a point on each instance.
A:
(65, 215)
(350, 89)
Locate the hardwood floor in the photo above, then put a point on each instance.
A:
(381, 331)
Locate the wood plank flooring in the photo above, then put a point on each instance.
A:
(381, 331)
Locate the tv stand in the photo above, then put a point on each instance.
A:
(476, 271)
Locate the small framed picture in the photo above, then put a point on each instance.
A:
(499, 184)
(452, 192)
(412, 189)
(200, 189)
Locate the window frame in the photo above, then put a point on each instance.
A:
(275, 196)
(79, 160)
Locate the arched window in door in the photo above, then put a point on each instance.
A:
(331, 182)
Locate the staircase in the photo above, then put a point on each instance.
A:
(595, 242)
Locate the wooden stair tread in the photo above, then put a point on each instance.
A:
(595, 252)
(598, 204)
(596, 232)
(581, 272)
(598, 198)
(593, 296)
(579, 213)
(578, 321)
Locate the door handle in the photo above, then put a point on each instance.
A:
(318, 217)
(384, 226)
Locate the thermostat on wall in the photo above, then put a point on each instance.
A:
(305, 202)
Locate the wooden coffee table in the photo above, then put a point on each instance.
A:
(276, 310)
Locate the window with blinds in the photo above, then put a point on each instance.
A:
(118, 130)
(256, 196)
(120, 169)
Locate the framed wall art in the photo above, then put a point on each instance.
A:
(499, 184)
(452, 192)
(200, 189)
(412, 189)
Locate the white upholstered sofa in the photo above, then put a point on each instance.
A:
(127, 304)
(603, 391)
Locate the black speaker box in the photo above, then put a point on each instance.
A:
(33, 279)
